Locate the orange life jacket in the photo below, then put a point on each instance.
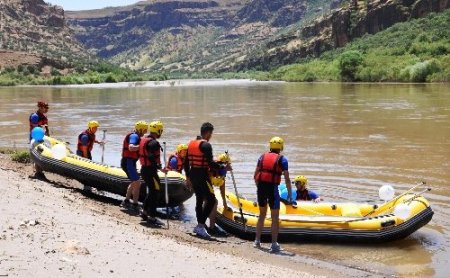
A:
(126, 153)
(143, 153)
(196, 157)
(90, 144)
(179, 163)
(269, 168)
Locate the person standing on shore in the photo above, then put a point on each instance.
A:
(39, 119)
(199, 161)
(130, 155)
(86, 140)
(271, 165)
(150, 158)
(176, 159)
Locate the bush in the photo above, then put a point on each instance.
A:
(21, 157)
(349, 62)
(420, 71)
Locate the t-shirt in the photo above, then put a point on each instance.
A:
(133, 139)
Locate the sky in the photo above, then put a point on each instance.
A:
(77, 5)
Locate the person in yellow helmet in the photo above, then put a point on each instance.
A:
(86, 140)
(130, 155)
(150, 159)
(269, 169)
(218, 179)
(176, 159)
(303, 193)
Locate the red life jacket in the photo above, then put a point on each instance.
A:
(126, 153)
(179, 163)
(303, 195)
(90, 144)
(143, 153)
(43, 121)
(196, 157)
(269, 168)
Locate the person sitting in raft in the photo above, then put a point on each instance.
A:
(86, 140)
(218, 179)
(303, 194)
(176, 159)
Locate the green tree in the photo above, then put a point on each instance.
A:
(349, 62)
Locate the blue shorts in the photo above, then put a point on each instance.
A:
(268, 193)
(129, 166)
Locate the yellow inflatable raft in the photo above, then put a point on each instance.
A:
(101, 176)
(338, 222)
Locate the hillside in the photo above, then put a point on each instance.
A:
(192, 36)
(413, 51)
(35, 33)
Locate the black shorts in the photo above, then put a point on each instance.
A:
(268, 193)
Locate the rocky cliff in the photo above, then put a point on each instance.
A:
(37, 28)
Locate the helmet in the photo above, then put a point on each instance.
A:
(141, 126)
(156, 127)
(302, 179)
(181, 147)
(217, 181)
(276, 143)
(92, 124)
(224, 157)
(42, 104)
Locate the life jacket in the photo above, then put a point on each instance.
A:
(269, 168)
(179, 163)
(143, 154)
(196, 157)
(43, 121)
(90, 144)
(303, 195)
(126, 153)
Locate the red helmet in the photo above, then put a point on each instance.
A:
(42, 104)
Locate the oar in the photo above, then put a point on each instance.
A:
(238, 199)
(103, 145)
(383, 206)
(166, 189)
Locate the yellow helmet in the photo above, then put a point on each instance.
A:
(181, 147)
(302, 179)
(217, 181)
(276, 143)
(156, 127)
(224, 157)
(141, 126)
(92, 124)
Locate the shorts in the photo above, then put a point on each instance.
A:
(128, 165)
(268, 193)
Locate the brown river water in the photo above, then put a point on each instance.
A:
(348, 139)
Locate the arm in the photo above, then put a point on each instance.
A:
(314, 196)
(84, 145)
(133, 145)
(224, 199)
(34, 119)
(152, 147)
(287, 180)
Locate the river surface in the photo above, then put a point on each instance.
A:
(348, 139)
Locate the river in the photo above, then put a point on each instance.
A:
(348, 139)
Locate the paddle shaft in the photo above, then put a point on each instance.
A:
(103, 146)
(239, 201)
(166, 189)
(394, 200)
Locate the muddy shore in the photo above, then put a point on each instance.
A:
(54, 229)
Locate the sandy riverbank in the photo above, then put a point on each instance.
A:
(52, 229)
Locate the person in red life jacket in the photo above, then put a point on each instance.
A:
(130, 155)
(303, 194)
(39, 119)
(86, 140)
(197, 166)
(150, 159)
(218, 179)
(271, 165)
(176, 159)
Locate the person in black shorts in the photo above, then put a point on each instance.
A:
(271, 165)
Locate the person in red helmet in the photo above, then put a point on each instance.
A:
(39, 119)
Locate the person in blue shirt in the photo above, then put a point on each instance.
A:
(86, 140)
(176, 159)
(303, 194)
(269, 169)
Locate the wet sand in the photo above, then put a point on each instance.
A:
(54, 229)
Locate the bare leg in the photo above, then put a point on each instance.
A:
(260, 224)
(275, 225)
(136, 188)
